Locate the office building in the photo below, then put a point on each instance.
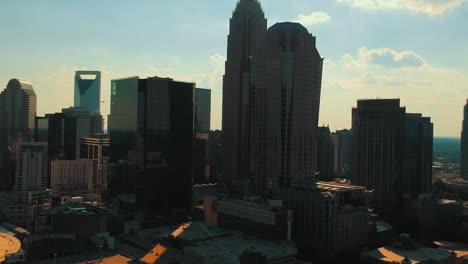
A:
(66, 129)
(265, 219)
(96, 148)
(377, 149)
(41, 133)
(325, 154)
(342, 157)
(215, 155)
(18, 103)
(30, 195)
(464, 144)
(328, 217)
(202, 111)
(122, 178)
(152, 125)
(247, 27)
(287, 99)
(417, 155)
(88, 90)
(72, 177)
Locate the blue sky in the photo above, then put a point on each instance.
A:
(416, 50)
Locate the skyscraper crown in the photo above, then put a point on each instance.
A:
(248, 8)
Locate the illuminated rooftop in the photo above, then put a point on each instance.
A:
(8, 245)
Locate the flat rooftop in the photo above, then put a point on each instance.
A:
(422, 254)
(75, 208)
(338, 187)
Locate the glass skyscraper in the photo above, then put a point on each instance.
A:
(288, 81)
(203, 110)
(88, 90)
(152, 125)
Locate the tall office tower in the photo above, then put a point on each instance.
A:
(377, 148)
(287, 99)
(202, 111)
(41, 132)
(417, 154)
(78, 123)
(325, 154)
(247, 27)
(29, 196)
(72, 177)
(464, 144)
(152, 124)
(342, 157)
(215, 154)
(96, 148)
(88, 90)
(18, 104)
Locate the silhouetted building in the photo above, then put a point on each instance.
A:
(288, 80)
(377, 149)
(202, 110)
(328, 217)
(464, 144)
(18, 103)
(41, 133)
(247, 27)
(342, 156)
(325, 154)
(215, 154)
(417, 154)
(152, 124)
(200, 162)
(122, 178)
(88, 90)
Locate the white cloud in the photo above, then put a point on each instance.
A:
(384, 57)
(430, 7)
(313, 18)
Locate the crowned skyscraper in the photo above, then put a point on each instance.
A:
(18, 104)
(464, 144)
(88, 90)
(247, 28)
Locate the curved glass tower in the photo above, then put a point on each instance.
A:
(287, 99)
(88, 90)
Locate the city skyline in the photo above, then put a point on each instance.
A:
(367, 58)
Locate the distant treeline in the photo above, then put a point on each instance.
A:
(447, 148)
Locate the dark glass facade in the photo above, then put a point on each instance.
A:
(342, 156)
(288, 81)
(202, 110)
(42, 129)
(88, 90)
(377, 149)
(325, 154)
(123, 118)
(417, 154)
(464, 144)
(152, 124)
(247, 28)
